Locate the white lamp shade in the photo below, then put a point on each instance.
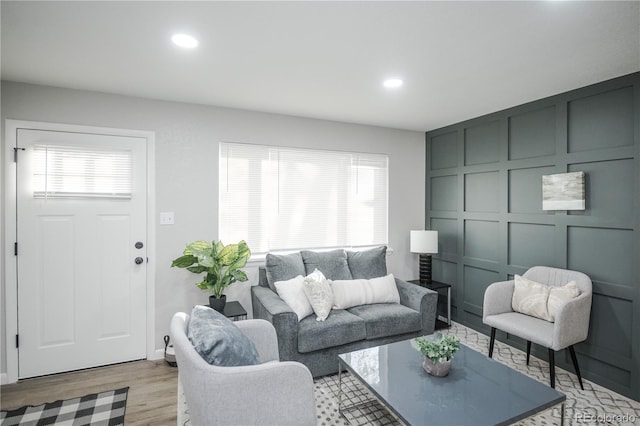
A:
(424, 242)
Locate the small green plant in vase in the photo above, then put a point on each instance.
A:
(221, 265)
(438, 353)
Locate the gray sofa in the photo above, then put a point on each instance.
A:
(318, 343)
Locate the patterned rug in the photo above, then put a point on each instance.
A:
(595, 405)
(98, 409)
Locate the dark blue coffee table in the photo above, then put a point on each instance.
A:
(477, 391)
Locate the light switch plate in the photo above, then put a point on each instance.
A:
(166, 218)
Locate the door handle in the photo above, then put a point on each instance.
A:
(139, 260)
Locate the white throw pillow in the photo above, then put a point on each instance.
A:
(292, 292)
(349, 293)
(530, 298)
(318, 292)
(541, 300)
(559, 296)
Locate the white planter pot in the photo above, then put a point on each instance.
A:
(438, 369)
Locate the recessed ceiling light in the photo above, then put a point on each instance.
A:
(184, 40)
(393, 83)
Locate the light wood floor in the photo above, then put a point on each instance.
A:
(152, 390)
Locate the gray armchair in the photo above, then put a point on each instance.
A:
(271, 393)
(571, 324)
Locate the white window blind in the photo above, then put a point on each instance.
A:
(69, 171)
(278, 198)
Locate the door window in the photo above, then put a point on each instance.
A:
(72, 172)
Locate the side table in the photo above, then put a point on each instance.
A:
(235, 311)
(435, 286)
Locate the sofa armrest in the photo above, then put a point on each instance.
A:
(572, 322)
(497, 298)
(267, 305)
(222, 395)
(422, 300)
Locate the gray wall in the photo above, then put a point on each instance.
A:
(187, 138)
(484, 196)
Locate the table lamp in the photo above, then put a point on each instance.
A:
(425, 243)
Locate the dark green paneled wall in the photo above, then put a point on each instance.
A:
(484, 196)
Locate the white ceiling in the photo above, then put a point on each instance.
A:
(326, 59)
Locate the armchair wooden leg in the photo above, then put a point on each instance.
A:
(492, 341)
(528, 351)
(552, 368)
(574, 359)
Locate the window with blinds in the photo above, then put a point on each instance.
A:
(279, 198)
(72, 172)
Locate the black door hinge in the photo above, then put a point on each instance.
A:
(17, 340)
(15, 248)
(15, 154)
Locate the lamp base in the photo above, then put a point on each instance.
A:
(425, 269)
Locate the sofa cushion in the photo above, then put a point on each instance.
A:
(368, 263)
(333, 264)
(524, 326)
(340, 327)
(388, 319)
(348, 293)
(292, 292)
(218, 340)
(283, 267)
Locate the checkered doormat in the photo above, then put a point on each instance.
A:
(100, 409)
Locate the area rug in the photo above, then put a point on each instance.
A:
(595, 405)
(99, 409)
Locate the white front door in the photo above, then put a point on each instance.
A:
(81, 251)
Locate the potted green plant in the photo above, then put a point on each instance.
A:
(221, 265)
(438, 352)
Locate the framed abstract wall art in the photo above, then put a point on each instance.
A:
(563, 191)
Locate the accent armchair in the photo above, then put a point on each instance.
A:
(271, 393)
(571, 324)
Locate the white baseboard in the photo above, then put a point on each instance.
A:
(158, 354)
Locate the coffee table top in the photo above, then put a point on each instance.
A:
(477, 391)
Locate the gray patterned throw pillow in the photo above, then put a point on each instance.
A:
(218, 340)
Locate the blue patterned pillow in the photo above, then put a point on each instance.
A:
(218, 340)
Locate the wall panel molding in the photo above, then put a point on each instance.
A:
(484, 183)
